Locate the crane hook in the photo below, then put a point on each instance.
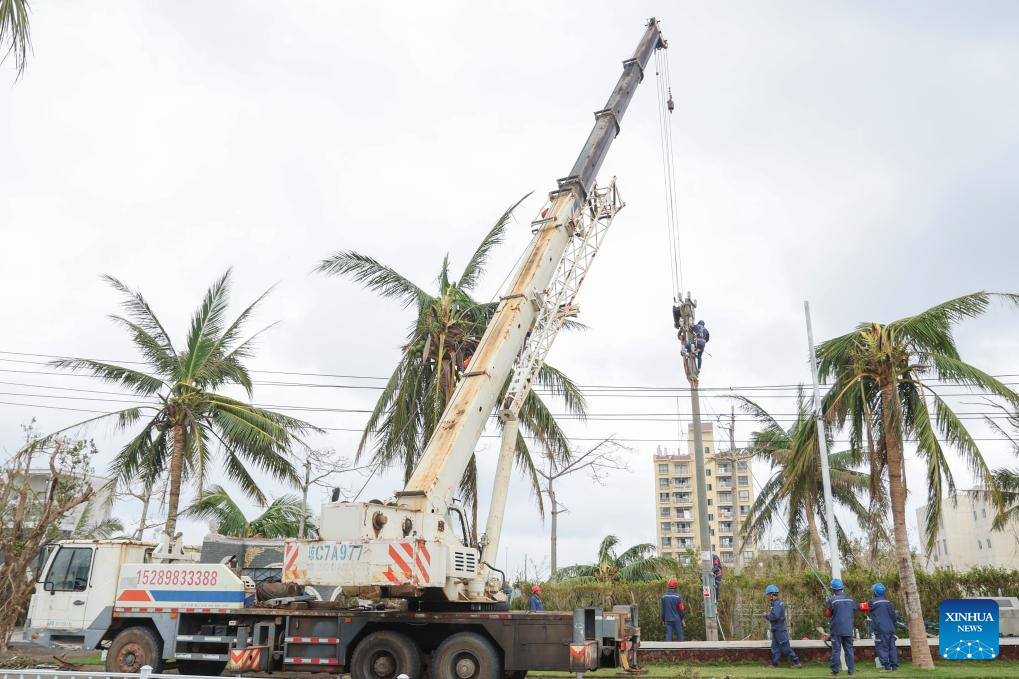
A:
(671, 104)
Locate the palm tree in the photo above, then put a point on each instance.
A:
(638, 563)
(15, 38)
(796, 481)
(185, 415)
(281, 519)
(443, 337)
(882, 376)
(85, 529)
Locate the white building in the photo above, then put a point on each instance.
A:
(99, 508)
(965, 539)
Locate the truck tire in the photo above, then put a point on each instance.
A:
(384, 655)
(133, 648)
(466, 656)
(206, 668)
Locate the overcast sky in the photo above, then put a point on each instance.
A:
(860, 155)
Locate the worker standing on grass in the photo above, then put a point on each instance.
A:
(673, 612)
(780, 645)
(840, 613)
(535, 605)
(883, 617)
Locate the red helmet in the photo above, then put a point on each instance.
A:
(536, 589)
(673, 583)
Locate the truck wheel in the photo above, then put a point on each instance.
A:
(134, 648)
(384, 655)
(466, 656)
(207, 668)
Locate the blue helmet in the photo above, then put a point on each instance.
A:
(836, 584)
(771, 589)
(878, 589)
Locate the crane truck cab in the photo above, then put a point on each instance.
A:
(77, 581)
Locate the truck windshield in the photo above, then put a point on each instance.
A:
(69, 572)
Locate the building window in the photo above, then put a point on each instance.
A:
(680, 469)
(983, 512)
(744, 495)
(747, 556)
(707, 450)
(744, 510)
(709, 499)
(988, 543)
(980, 545)
(663, 469)
(666, 527)
(742, 466)
(666, 542)
(711, 517)
(663, 483)
(707, 472)
(744, 480)
(709, 488)
(664, 512)
(663, 497)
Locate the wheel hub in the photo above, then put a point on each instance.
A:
(128, 660)
(466, 667)
(384, 666)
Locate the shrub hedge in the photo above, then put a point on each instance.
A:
(743, 601)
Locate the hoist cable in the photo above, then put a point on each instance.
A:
(664, 91)
(672, 178)
(670, 232)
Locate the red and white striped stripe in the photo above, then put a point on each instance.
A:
(313, 640)
(311, 661)
(125, 609)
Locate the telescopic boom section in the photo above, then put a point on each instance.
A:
(449, 450)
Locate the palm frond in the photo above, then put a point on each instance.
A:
(375, 276)
(129, 378)
(15, 34)
(475, 266)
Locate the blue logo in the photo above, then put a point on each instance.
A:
(968, 629)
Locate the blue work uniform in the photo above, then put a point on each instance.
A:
(780, 634)
(840, 611)
(673, 614)
(535, 604)
(882, 621)
(716, 570)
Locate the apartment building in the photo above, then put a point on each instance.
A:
(730, 492)
(965, 539)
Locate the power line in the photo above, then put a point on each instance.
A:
(589, 391)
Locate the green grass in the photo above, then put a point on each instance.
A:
(85, 660)
(963, 669)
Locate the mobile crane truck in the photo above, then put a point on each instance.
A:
(144, 605)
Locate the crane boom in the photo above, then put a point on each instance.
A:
(449, 450)
(411, 546)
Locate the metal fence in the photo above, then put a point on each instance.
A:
(145, 673)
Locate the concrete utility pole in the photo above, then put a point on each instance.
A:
(684, 320)
(822, 447)
(735, 458)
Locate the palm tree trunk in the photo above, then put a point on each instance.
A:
(815, 536)
(554, 540)
(304, 497)
(892, 415)
(176, 469)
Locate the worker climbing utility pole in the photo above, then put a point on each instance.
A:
(683, 318)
